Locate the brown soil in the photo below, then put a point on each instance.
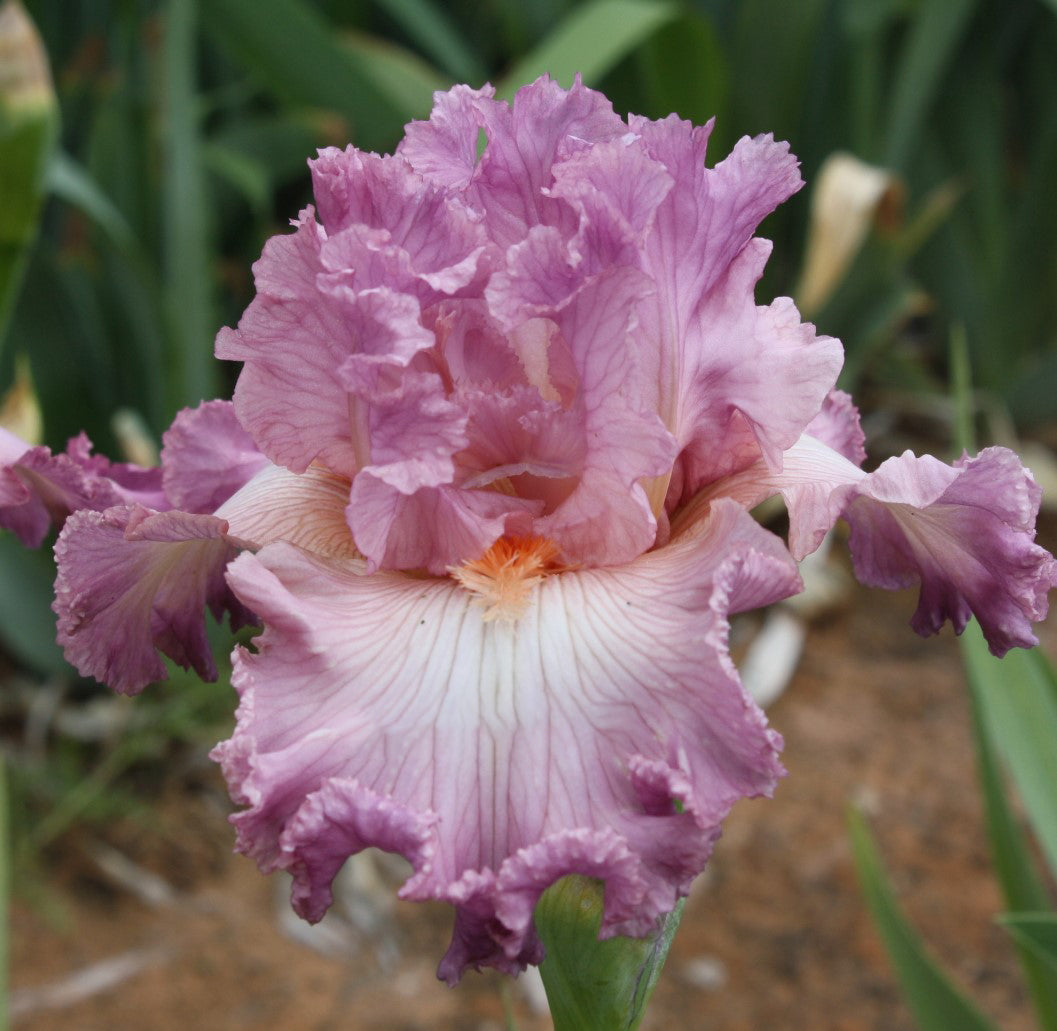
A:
(775, 934)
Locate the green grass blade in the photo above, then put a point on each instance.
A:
(72, 183)
(937, 1005)
(27, 625)
(5, 890)
(685, 70)
(1017, 696)
(1021, 885)
(188, 256)
(962, 390)
(590, 41)
(409, 80)
(29, 121)
(935, 33)
(1037, 932)
(428, 26)
(291, 50)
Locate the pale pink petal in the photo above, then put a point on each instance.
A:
(206, 457)
(604, 733)
(306, 509)
(131, 581)
(837, 426)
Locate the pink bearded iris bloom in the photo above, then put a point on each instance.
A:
(487, 476)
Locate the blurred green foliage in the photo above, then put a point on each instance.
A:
(185, 128)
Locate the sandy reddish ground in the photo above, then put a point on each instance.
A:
(775, 933)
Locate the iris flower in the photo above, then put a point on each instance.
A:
(486, 482)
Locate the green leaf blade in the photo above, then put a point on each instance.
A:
(29, 127)
(937, 1005)
(1021, 885)
(1017, 696)
(320, 71)
(188, 250)
(935, 33)
(428, 25)
(1037, 932)
(589, 42)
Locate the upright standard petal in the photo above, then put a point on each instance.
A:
(603, 732)
(206, 457)
(294, 337)
(753, 376)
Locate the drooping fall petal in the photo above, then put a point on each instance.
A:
(964, 532)
(131, 581)
(604, 731)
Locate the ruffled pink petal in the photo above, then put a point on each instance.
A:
(811, 480)
(710, 214)
(965, 533)
(615, 188)
(131, 581)
(21, 510)
(126, 482)
(626, 441)
(433, 528)
(340, 819)
(38, 489)
(444, 148)
(206, 457)
(546, 124)
(753, 377)
(414, 222)
(412, 427)
(605, 732)
(294, 337)
(472, 349)
(837, 426)
(608, 518)
(538, 279)
(517, 436)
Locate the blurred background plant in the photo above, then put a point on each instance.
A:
(141, 176)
